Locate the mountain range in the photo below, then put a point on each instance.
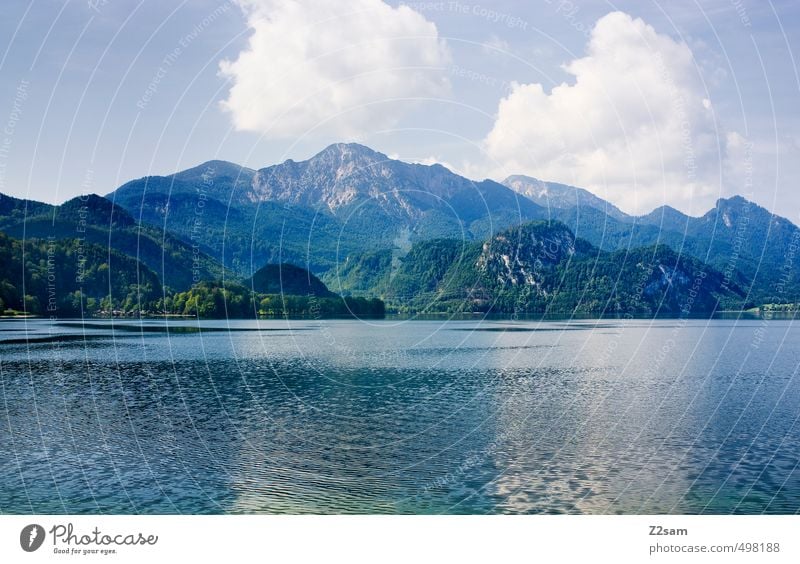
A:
(373, 226)
(346, 198)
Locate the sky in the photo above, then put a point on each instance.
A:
(643, 103)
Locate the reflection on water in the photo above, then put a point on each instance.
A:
(406, 416)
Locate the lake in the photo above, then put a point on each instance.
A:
(400, 416)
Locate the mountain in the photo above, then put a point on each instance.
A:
(754, 248)
(219, 180)
(750, 245)
(99, 221)
(364, 224)
(347, 198)
(347, 176)
(745, 241)
(552, 195)
(543, 267)
(349, 207)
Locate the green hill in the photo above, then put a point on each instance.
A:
(66, 278)
(288, 279)
(542, 267)
(98, 221)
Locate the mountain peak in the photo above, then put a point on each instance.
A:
(214, 169)
(92, 209)
(522, 177)
(665, 210)
(348, 151)
(288, 279)
(666, 217)
(736, 211)
(734, 201)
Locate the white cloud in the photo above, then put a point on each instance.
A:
(495, 44)
(332, 65)
(636, 126)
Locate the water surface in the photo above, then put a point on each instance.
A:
(399, 416)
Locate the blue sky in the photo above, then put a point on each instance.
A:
(644, 103)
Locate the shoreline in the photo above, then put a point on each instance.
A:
(438, 316)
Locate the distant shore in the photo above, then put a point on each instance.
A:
(437, 316)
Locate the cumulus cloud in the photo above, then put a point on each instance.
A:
(331, 65)
(635, 125)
